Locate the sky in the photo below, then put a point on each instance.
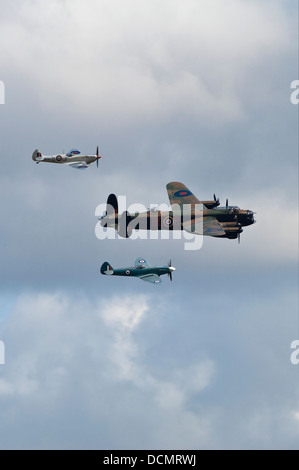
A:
(197, 92)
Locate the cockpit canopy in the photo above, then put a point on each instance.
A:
(229, 207)
(73, 152)
(141, 263)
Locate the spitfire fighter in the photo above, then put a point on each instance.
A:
(203, 217)
(141, 269)
(73, 158)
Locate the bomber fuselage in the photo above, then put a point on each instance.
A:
(159, 220)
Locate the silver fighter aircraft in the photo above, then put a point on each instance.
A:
(73, 158)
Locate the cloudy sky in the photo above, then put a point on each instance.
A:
(196, 91)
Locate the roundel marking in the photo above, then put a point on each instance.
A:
(142, 261)
(128, 271)
(182, 193)
(168, 221)
(58, 158)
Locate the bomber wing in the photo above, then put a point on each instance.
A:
(154, 278)
(179, 194)
(204, 226)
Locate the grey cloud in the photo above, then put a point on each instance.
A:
(206, 371)
(51, 351)
(196, 94)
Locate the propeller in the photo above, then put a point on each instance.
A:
(98, 156)
(171, 268)
(103, 215)
(226, 203)
(239, 237)
(216, 199)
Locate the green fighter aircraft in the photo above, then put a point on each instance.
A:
(141, 269)
(187, 213)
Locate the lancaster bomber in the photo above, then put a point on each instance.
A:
(73, 158)
(187, 213)
(141, 269)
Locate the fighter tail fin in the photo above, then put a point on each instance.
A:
(37, 156)
(106, 268)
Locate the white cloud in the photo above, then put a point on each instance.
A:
(125, 314)
(52, 338)
(185, 382)
(125, 62)
(95, 358)
(274, 238)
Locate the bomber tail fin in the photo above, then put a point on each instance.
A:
(106, 268)
(112, 204)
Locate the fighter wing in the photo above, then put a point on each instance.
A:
(179, 194)
(78, 165)
(204, 226)
(154, 278)
(141, 263)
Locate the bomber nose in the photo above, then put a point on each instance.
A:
(251, 216)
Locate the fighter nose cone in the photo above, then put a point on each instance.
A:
(171, 268)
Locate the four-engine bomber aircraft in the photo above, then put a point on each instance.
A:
(141, 269)
(205, 217)
(73, 158)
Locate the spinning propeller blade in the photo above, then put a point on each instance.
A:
(98, 156)
(216, 199)
(171, 268)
